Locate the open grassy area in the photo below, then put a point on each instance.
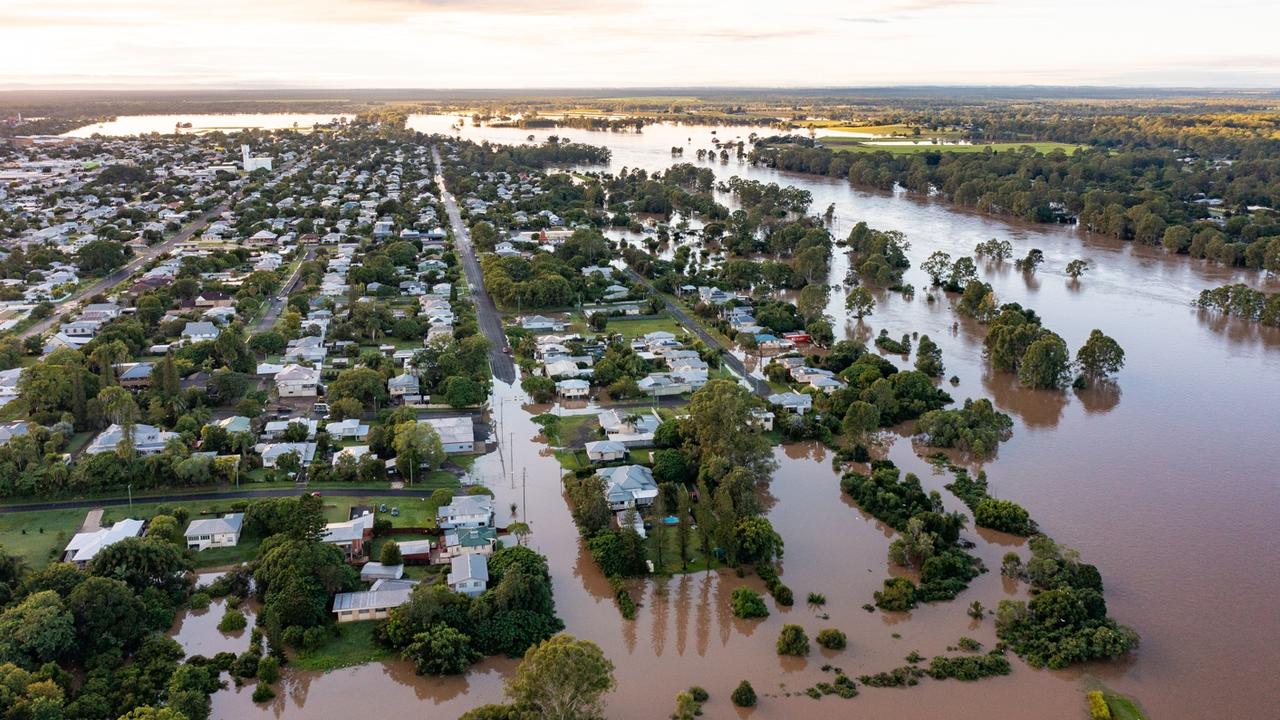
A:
(1122, 708)
(635, 328)
(671, 552)
(869, 145)
(354, 645)
(38, 537)
(243, 552)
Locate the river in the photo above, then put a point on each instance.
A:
(1168, 482)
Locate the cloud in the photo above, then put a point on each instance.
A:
(866, 20)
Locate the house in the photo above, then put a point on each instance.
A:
(417, 552)
(147, 440)
(457, 434)
(11, 430)
(84, 546)
(469, 574)
(826, 384)
(628, 486)
(573, 388)
(538, 323)
(464, 541)
(465, 511)
(272, 452)
(661, 384)
(355, 452)
(195, 332)
(309, 349)
(297, 381)
(349, 429)
(403, 387)
(377, 571)
(605, 451)
(277, 428)
(762, 418)
(136, 376)
(630, 430)
(351, 535)
(792, 401)
(215, 532)
(370, 604)
(235, 424)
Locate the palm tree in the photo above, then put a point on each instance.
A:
(521, 530)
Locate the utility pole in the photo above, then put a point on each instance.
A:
(130, 498)
(524, 492)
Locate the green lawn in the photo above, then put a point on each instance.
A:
(573, 459)
(1122, 708)
(244, 551)
(354, 645)
(870, 145)
(37, 537)
(631, 329)
(671, 553)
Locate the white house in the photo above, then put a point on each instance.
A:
(457, 434)
(349, 429)
(792, 401)
(147, 440)
(272, 452)
(469, 573)
(215, 532)
(297, 381)
(195, 332)
(466, 511)
(628, 486)
(277, 428)
(371, 604)
(86, 545)
(573, 388)
(403, 386)
(605, 451)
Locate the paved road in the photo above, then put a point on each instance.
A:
(281, 299)
(504, 368)
(213, 495)
(123, 273)
(758, 386)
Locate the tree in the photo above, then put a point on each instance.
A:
(860, 302)
(521, 531)
(441, 650)
(166, 527)
(938, 266)
(720, 436)
(100, 257)
(541, 389)
(832, 639)
(1046, 364)
(143, 563)
(390, 554)
(417, 444)
(746, 603)
(147, 712)
(929, 357)
(793, 641)
(462, 391)
(684, 529)
(812, 301)
(563, 678)
(860, 419)
(756, 540)
(1100, 356)
(962, 273)
(744, 695)
(1077, 267)
(362, 384)
(1029, 263)
(37, 630)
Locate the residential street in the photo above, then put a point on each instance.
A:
(504, 367)
(758, 386)
(215, 495)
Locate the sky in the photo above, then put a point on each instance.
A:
(170, 44)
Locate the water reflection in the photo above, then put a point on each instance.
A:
(1036, 408)
(1100, 396)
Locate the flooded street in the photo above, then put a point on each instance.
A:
(1168, 482)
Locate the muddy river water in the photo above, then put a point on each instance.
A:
(1169, 482)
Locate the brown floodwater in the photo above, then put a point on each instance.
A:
(1167, 480)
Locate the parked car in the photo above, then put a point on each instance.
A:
(395, 512)
(382, 507)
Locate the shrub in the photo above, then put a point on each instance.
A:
(899, 594)
(817, 599)
(263, 693)
(968, 644)
(232, 621)
(245, 665)
(699, 693)
(1098, 708)
(793, 641)
(390, 554)
(199, 601)
(293, 635)
(268, 670)
(744, 695)
(746, 603)
(832, 639)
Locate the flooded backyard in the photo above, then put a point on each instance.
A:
(1168, 482)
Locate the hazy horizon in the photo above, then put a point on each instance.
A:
(595, 44)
